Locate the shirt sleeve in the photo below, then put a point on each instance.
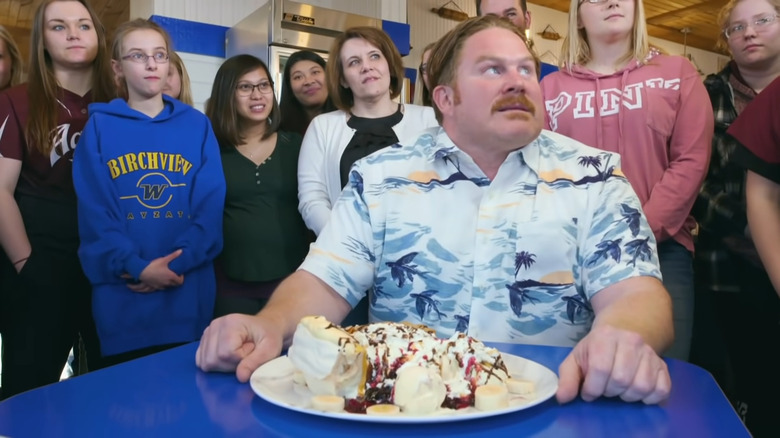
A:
(618, 243)
(672, 198)
(11, 131)
(313, 200)
(344, 253)
(757, 127)
(202, 241)
(105, 250)
(746, 158)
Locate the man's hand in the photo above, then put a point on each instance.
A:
(613, 363)
(157, 275)
(239, 342)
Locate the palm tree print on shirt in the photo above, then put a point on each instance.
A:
(519, 290)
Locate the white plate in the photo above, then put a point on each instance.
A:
(273, 382)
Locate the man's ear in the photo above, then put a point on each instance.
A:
(528, 20)
(444, 98)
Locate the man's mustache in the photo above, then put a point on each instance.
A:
(514, 102)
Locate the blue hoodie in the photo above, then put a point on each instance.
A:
(147, 187)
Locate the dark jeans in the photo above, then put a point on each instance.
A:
(48, 304)
(752, 332)
(677, 270)
(247, 297)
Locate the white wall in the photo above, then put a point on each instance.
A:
(203, 69)
(427, 27)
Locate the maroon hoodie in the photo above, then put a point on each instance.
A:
(657, 116)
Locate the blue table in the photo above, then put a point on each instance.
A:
(166, 395)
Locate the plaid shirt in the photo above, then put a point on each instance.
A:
(720, 208)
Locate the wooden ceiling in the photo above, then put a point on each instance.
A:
(17, 16)
(667, 18)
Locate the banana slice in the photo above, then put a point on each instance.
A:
(520, 386)
(298, 377)
(327, 403)
(383, 410)
(491, 397)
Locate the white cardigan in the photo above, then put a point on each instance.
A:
(319, 180)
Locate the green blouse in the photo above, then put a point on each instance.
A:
(264, 235)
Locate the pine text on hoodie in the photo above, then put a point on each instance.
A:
(657, 116)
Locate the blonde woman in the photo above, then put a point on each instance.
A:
(616, 93)
(178, 83)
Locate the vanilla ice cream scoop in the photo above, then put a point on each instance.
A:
(419, 390)
(330, 360)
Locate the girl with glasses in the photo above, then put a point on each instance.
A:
(423, 90)
(616, 93)
(265, 237)
(150, 196)
(47, 303)
(726, 256)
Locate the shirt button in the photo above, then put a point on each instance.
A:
(83, 111)
(257, 173)
(258, 182)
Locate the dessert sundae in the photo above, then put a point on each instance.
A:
(392, 368)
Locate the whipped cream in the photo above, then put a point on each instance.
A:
(395, 363)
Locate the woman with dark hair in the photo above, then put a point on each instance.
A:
(424, 94)
(48, 303)
(265, 238)
(304, 91)
(365, 74)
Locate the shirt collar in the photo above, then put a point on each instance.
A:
(438, 145)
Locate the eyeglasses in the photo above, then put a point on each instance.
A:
(423, 67)
(142, 58)
(246, 89)
(758, 24)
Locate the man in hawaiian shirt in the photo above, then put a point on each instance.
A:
(487, 225)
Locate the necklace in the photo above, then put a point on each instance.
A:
(256, 151)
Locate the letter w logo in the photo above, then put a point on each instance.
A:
(153, 191)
